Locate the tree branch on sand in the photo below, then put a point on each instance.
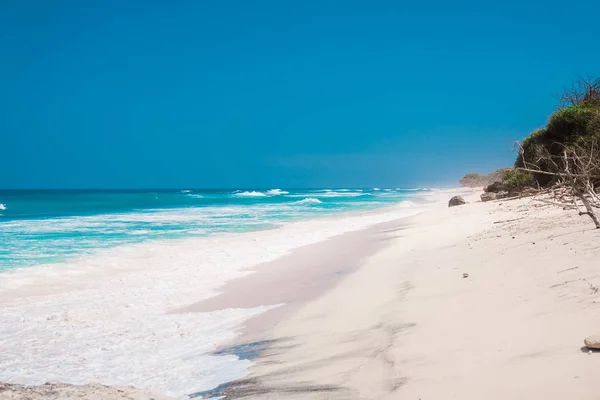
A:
(576, 171)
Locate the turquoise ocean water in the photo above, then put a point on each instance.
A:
(49, 226)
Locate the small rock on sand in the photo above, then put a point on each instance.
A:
(592, 342)
(456, 201)
(495, 187)
(488, 196)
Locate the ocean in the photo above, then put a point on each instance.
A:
(90, 281)
(40, 227)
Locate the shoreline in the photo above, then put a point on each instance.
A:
(17, 281)
(108, 321)
(296, 278)
(385, 312)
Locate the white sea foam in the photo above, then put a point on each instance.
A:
(185, 191)
(339, 194)
(329, 193)
(308, 200)
(408, 204)
(276, 192)
(2, 207)
(195, 195)
(139, 232)
(251, 194)
(111, 317)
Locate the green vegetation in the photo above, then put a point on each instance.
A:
(594, 125)
(528, 147)
(577, 123)
(569, 123)
(515, 180)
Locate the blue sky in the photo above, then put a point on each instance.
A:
(232, 93)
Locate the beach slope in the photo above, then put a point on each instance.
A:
(482, 301)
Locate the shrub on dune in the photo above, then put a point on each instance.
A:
(568, 124)
(515, 180)
(576, 124)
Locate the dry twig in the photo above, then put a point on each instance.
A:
(593, 288)
(577, 171)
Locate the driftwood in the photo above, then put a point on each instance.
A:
(507, 220)
(556, 203)
(568, 269)
(577, 171)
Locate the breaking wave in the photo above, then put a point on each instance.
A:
(309, 200)
(251, 194)
(275, 192)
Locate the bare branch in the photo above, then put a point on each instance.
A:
(577, 168)
(583, 91)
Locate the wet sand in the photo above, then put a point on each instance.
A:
(295, 278)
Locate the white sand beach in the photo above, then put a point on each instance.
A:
(387, 312)
(406, 324)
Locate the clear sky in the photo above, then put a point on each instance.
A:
(240, 93)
